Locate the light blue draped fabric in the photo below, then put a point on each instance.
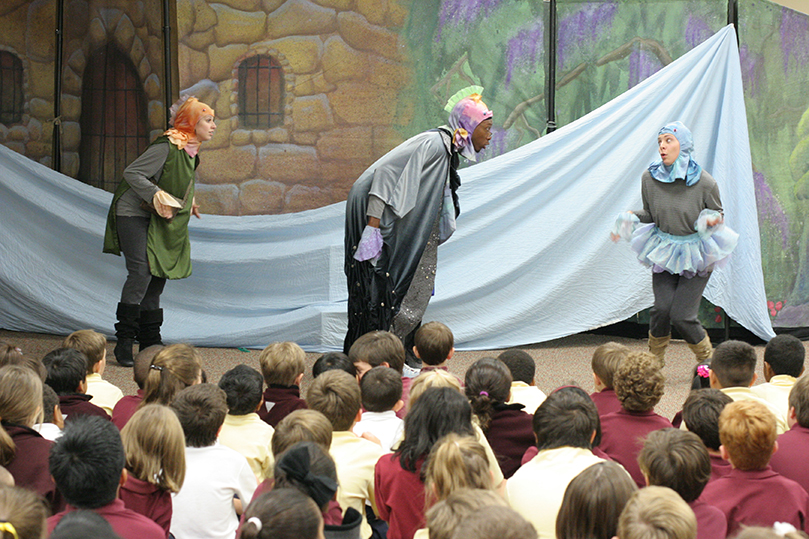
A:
(531, 259)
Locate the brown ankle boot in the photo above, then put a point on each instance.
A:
(702, 350)
(657, 346)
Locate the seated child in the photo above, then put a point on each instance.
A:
(87, 462)
(52, 420)
(656, 513)
(243, 430)
(783, 364)
(171, 370)
(285, 513)
(81, 524)
(125, 407)
(94, 347)
(154, 444)
(381, 348)
(434, 345)
(606, 360)
(204, 508)
(23, 512)
(678, 459)
(337, 396)
(639, 386)
(282, 365)
(495, 522)
(793, 445)
(445, 516)
(456, 462)
(701, 416)
(381, 389)
(67, 375)
(733, 372)
(333, 360)
(523, 388)
(752, 494)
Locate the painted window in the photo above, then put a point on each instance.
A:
(261, 93)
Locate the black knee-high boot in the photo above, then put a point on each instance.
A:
(149, 333)
(126, 331)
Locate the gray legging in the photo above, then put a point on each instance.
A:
(677, 304)
(141, 287)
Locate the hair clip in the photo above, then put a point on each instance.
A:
(156, 367)
(703, 371)
(6, 526)
(255, 521)
(484, 393)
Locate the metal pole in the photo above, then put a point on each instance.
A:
(550, 78)
(167, 60)
(56, 142)
(733, 18)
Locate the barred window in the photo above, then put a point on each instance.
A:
(261, 92)
(10, 88)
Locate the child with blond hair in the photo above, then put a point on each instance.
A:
(282, 365)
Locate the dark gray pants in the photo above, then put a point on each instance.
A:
(677, 304)
(141, 287)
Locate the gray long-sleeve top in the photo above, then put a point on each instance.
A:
(142, 176)
(675, 207)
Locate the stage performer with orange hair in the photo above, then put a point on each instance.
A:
(148, 222)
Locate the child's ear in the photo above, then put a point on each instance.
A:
(774, 447)
(260, 404)
(299, 379)
(714, 382)
(753, 381)
(724, 453)
(416, 352)
(400, 404)
(82, 386)
(451, 353)
(58, 420)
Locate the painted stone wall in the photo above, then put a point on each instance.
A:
(345, 67)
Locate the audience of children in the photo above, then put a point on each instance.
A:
(22, 513)
(793, 445)
(783, 364)
(282, 365)
(606, 360)
(67, 375)
(140, 371)
(381, 389)
(701, 416)
(523, 386)
(656, 513)
(94, 347)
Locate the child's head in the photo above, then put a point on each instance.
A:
(487, 384)
(82, 524)
(10, 354)
(639, 382)
(747, 432)
(282, 363)
(172, 369)
(784, 354)
(87, 461)
(381, 389)
(701, 415)
(593, 502)
(20, 403)
(606, 360)
(377, 348)
(443, 517)
(23, 514)
(154, 444)
(301, 426)
(310, 469)
(568, 417)
(456, 462)
(434, 343)
(520, 364)
(657, 513)
(495, 521)
(336, 395)
(282, 513)
(201, 410)
(50, 405)
(733, 365)
(92, 344)
(799, 401)
(426, 380)
(333, 361)
(143, 360)
(67, 370)
(244, 387)
(757, 532)
(676, 459)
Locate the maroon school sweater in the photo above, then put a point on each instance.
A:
(711, 523)
(77, 404)
(623, 434)
(125, 522)
(606, 402)
(399, 496)
(510, 434)
(279, 402)
(790, 459)
(30, 464)
(126, 408)
(148, 500)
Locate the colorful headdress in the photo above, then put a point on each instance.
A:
(685, 166)
(466, 111)
(184, 117)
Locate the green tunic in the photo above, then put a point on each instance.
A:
(168, 246)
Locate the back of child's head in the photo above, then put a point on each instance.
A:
(606, 360)
(701, 415)
(785, 355)
(520, 364)
(495, 521)
(639, 382)
(23, 514)
(50, 400)
(434, 342)
(443, 517)
(336, 395)
(376, 348)
(243, 386)
(748, 433)
(90, 343)
(310, 469)
(784, 531)
(593, 502)
(20, 404)
(381, 389)
(301, 426)
(456, 462)
(282, 513)
(201, 410)
(428, 379)
(487, 384)
(67, 369)
(10, 354)
(799, 400)
(154, 444)
(282, 363)
(567, 418)
(333, 361)
(676, 459)
(86, 462)
(734, 364)
(657, 513)
(172, 369)
(143, 360)
(83, 524)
